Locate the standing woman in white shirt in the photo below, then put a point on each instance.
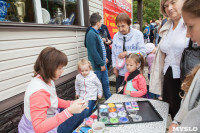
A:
(165, 74)
(189, 112)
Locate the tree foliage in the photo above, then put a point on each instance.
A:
(151, 9)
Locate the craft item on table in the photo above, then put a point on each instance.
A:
(114, 120)
(93, 116)
(135, 106)
(123, 119)
(112, 109)
(103, 110)
(119, 105)
(89, 122)
(103, 106)
(121, 114)
(120, 109)
(126, 112)
(113, 114)
(111, 105)
(104, 119)
(104, 114)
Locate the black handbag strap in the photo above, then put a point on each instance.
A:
(130, 77)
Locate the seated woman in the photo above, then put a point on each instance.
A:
(41, 103)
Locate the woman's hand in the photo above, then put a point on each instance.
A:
(104, 40)
(108, 42)
(76, 96)
(171, 127)
(115, 71)
(77, 106)
(122, 55)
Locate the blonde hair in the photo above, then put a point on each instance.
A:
(84, 62)
(137, 58)
(188, 80)
(162, 7)
(158, 22)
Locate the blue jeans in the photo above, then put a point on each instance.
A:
(103, 77)
(73, 122)
(88, 112)
(70, 124)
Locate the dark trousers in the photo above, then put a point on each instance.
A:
(119, 81)
(171, 89)
(108, 56)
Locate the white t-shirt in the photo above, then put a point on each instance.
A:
(173, 47)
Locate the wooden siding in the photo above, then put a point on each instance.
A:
(19, 50)
(96, 6)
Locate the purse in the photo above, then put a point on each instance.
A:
(190, 58)
(130, 77)
(120, 63)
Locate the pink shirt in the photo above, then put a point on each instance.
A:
(39, 104)
(139, 83)
(150, 59)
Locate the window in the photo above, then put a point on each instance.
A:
(58, 12)
(17, 11)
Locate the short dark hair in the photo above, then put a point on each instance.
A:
(48, 61)
(94, 18)
(123, 17)
(192, 7)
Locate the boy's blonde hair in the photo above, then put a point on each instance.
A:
(84, 62)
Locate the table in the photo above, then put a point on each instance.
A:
(149, 127)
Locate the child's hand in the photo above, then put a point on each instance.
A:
(99, 97)
(128, 92)
(76, 96)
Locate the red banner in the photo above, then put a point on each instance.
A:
(111, 8)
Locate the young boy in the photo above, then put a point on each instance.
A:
(97, 53)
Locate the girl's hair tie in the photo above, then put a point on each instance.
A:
(138, 53)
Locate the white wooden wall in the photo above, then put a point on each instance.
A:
(19, 50)
(96, 6)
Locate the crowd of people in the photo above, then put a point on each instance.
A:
(161, 45)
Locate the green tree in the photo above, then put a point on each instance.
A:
(151, 9)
